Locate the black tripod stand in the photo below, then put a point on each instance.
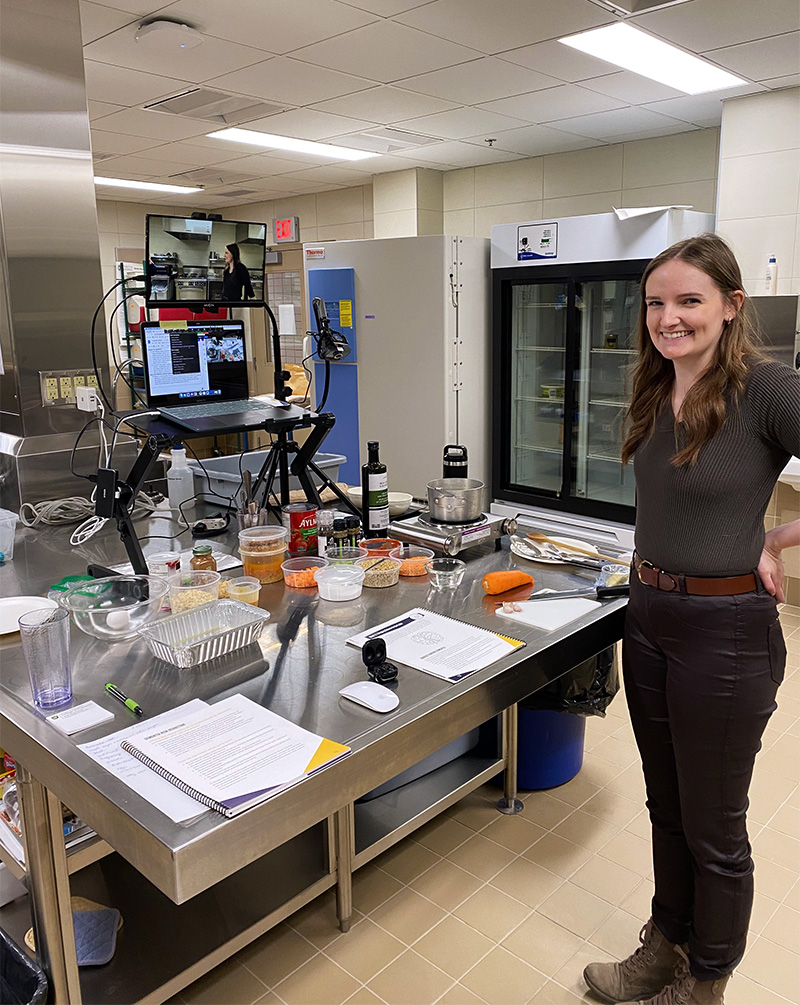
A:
(288, 457)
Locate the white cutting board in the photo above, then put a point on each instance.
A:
(550, 614)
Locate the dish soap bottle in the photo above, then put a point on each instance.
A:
(771, 287)
(180, 483)
(374, 494)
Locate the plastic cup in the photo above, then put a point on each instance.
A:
(413, 559)
(192, 589)
(613, 575)
(45, 645)
(339, 582)
(446, 573)
(244, 588)
(344, 556)
(298, 571)
(257, 519)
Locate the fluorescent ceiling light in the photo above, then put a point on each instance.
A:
(633, 49)
(150, 186)
(274, 142)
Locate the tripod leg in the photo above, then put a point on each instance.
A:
(331, 484)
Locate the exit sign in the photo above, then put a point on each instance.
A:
(287, 230)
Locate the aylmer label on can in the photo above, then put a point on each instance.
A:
(300, 519)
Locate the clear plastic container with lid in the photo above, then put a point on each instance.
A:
(263, 550)
(339, 582)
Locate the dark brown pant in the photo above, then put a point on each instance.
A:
(701, 675)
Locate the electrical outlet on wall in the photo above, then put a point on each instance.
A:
(59, 387)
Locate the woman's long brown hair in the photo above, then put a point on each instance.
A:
(704, 407)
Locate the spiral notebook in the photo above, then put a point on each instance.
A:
(234, 754)
(438, 645)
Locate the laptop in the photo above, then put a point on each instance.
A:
(196, 375)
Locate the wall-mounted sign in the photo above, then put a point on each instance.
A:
(287, 230)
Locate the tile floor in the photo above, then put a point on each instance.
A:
(477, 907)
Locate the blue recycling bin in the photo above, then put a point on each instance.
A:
(549, 747)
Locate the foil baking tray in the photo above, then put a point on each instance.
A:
(202, 633)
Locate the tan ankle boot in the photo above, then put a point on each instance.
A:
(641, 975)
(685, 989)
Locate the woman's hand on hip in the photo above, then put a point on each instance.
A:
(771, 571)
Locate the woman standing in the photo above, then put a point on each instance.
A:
(712, 423)
(236, 283)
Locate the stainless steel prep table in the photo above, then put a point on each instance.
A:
(234, 879)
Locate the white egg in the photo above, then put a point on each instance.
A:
(118, 620)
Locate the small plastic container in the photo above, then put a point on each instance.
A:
(345, 556)
(380, 545)
(380, 571)
(298, 572)
(244, 588)
(8, 526)
(613, 575)
(446, 573)
(192, 589)
(165, 563)
(413, 559)
(339, 582)
(268, 539)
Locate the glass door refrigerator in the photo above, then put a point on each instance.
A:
(563, 331)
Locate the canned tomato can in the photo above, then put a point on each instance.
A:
(300, 519)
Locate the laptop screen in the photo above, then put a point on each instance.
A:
(197, 362)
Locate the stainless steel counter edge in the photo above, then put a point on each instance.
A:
(183, 861)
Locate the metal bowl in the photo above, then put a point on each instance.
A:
(115, 608)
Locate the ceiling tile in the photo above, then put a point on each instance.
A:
(460, 122)
(385, 52)
(769, 57)
(384, 104)
(553, 103)
(135, 168)
(701, 109)
(777, 83)
(99, 109)
(105, 82)
(622, 124)
(97, 20)
(335, 175)
(117, 143)
(386, 8)
(500, 25)
(458, 154)
(307, 124)
(480, 80)
(275, 27)
(289, 81)
(188, 153)
(267, 163)
(707, 24)
(390, 162)
(534, 141)
(632, 88)
(558, 60)
(156, 125)
(140, 7)
(214, 57)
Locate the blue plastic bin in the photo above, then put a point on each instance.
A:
(550, 748)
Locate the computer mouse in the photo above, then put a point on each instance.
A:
(372, 695)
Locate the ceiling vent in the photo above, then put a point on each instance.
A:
(210, 177)
(628, 7)
(386, 140)
(215, 106)
(234, 193)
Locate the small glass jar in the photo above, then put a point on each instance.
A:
(202, 559)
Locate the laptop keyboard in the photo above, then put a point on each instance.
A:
(221, 408)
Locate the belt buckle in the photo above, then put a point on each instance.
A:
(647, 565)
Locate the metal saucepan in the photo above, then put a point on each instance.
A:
(455, 500)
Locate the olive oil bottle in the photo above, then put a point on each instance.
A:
(374, 494)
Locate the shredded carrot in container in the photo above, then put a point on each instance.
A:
(414, 566)
(303, 579)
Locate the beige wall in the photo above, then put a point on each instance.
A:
(408, 203)
(759, 185)
(667, 170)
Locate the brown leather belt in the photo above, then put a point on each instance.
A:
(712, 586)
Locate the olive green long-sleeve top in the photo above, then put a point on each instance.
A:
(708, 519)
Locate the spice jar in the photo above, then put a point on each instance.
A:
(202, 558)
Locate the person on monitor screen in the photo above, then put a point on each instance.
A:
(712, 422)
(236, 283)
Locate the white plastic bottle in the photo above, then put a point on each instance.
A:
(180, 482)
(771, 287)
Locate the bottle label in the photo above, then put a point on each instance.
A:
(378, 501)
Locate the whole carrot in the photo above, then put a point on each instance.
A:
(499, 582)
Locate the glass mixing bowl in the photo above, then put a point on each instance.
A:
(115, 608)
